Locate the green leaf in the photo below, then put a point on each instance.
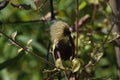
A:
(82, 5)
(14, 34)
(108, 9)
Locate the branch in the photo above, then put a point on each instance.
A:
(76, 25)
(94, 12)
(19, 22)
(81, 22)
(3, 4)
(115, 6)
(105, 41)
(25, 49)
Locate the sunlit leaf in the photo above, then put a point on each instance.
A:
(14, 35)
(20, 50)
(82, 5)
(97, 56)
(58, 64)
(75, 65)
(29, 42)
(89, 67)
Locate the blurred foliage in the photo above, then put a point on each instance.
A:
(91, 37)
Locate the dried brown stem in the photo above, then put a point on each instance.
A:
(83, 20)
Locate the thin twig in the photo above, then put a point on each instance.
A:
(3, 4)
(26, 49)
(81, 22)
(108, 35)
(30, 21)
(76, 27)
(52, 10)
(104, 42)
(94, 13)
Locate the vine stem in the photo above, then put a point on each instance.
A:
(76, 25)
